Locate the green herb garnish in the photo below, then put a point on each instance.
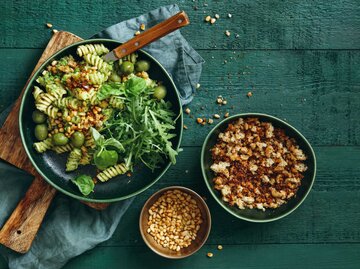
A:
(85, 184)
(103, 157)
(109, 89)
(143, 127)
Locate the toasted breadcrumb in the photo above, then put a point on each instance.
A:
(256, 165)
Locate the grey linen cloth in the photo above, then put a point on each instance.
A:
(70, 227)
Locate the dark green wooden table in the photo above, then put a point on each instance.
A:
(301, 61)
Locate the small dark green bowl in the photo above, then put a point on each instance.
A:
(51, 166)
(255, 215)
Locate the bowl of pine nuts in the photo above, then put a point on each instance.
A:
(175, 222)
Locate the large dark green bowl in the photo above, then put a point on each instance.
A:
(255, 215)
(51, 166)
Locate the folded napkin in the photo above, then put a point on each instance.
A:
(70, 227)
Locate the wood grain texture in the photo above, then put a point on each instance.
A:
(255, 256)
(299, 58)
(321, 219)
(12, 150)
(273, 24)
(310, 89)
(21, 228)
(156, 32)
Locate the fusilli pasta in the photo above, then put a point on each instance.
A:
(37, 92)
(67, 102)
(62, 149)
(112, 171)
(55, 90)
(44, 100)
(51, 111)
(98, 49)
(89, 140)
(86, 157)
(43, 146)
(96, 78)
(93, 98)
(73, 160)
(99, 63)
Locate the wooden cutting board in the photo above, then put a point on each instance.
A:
(21, 228)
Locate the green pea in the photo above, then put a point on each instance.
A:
(75, 119)
(41, 132)
(38, 117)
(127, 68)
(142, 65)
(60, 139)
(159, 92)
(115, 77)
(77, 139)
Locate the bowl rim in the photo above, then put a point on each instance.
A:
(193, 193)
(217, 199)
(22, 135)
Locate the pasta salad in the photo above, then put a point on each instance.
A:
(110, 115)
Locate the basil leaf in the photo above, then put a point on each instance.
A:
(114, 143)
(105, 158)
(135, 85)
(108, 89)
(99, 139)
(85, 184)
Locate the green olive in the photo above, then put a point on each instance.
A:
(142, 65)
(41, 132)
(115, 77)
(77, 139)
(127, 68)
(38, 117)
(60, 139)
(160, 92)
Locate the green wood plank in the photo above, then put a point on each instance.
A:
(329, 256)
(316, 90)
(324, 216)
(3, 263)
(260, 24)
(312, 90)
(337, 169)
(319, 220)
(16, 67)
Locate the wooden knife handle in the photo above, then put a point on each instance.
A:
(20, 229)
(159, 30)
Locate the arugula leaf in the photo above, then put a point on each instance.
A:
(85, 184)
(108, 89)
(144, 127)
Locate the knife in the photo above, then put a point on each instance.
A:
(156, 32)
